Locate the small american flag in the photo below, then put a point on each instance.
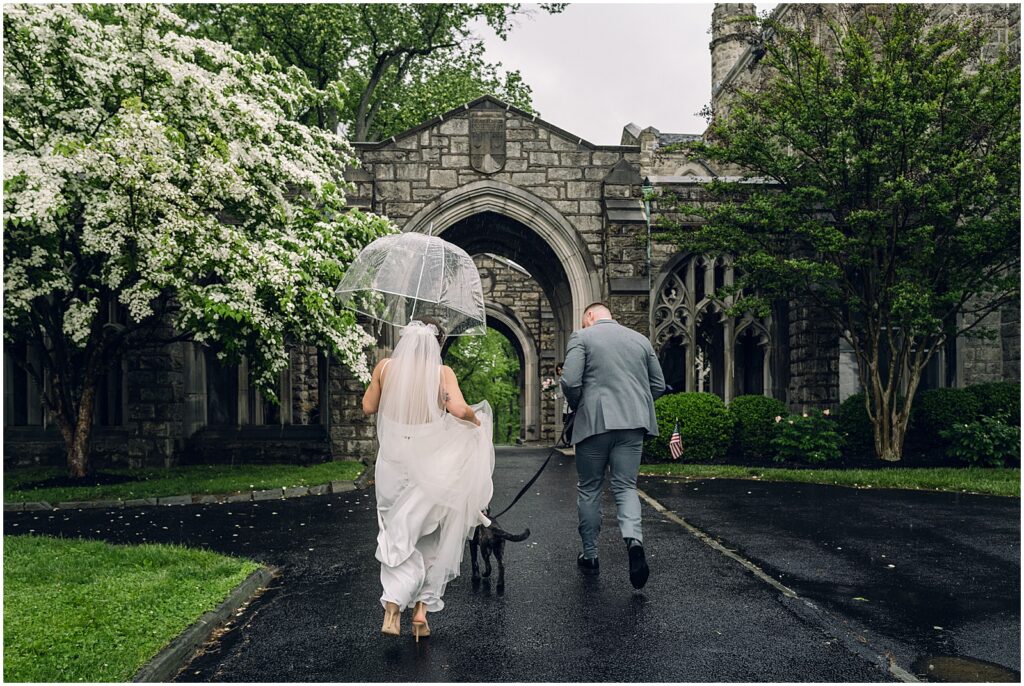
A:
(675, 444)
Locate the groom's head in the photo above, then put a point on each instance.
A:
(595, 312)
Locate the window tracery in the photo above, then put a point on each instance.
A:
(701, 348)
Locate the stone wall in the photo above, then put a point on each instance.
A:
(352, 435)
(813, 354)
(626, 248)
(408, 175)
(305, 395)
(151, 432)
(813, 359)
(156, 397)
(521, 293)
(728, 38)
(33, 446)
(1010, 339)
(414, 169)
(982, 357)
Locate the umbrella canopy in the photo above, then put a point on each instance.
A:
(403, 277)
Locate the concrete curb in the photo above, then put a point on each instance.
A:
(178, 653)
(366, 479)
(189, 499)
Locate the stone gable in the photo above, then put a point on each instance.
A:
(411, 170)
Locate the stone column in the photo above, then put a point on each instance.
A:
(729, 359)
(1010, 318)
(626, 257)
(352, 435)
(814, 358)
(156, 404)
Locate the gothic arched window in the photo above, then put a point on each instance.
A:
(700, 347)
(221, 394)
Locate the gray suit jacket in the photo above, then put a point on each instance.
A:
(611, 377)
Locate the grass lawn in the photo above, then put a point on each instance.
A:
(151, 483)
(77, 610)
(969, 479)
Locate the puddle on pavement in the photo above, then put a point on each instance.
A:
(947, 668)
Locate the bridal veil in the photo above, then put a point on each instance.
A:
(433, 474)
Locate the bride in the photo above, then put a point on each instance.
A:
(433, 474)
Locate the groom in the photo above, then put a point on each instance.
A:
(611, 378)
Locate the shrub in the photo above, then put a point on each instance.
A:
(998, 398)
(935, 411)
(855, 427)
(754, 421)
(705, 426)
(811, 437)
(985, 442)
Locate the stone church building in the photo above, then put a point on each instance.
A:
(554, 222)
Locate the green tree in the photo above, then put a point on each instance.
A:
(891, 153)
(164, 178)
(389, 65)
(433, 87)
(487, 368)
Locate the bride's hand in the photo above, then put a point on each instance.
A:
(476, 420)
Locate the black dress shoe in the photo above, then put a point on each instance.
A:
(638, 569)
(589, 565)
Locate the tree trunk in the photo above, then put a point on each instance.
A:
(78, 422)
(890, 433)
(78, 448)
(891, 417)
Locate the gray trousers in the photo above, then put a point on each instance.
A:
(620, 451)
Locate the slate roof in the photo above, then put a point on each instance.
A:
(673, 138)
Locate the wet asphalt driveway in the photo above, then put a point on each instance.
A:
(702, 616)
(917, 573)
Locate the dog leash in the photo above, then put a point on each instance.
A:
(566, 430)
(525, 488)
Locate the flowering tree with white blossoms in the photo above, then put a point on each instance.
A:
(170, 176)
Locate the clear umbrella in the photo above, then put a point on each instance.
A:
(408, 276)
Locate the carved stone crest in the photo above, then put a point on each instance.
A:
(487, 140)
(486, 279)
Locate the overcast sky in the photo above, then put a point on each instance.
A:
(596, 67)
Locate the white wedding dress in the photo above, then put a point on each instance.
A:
(433, 475)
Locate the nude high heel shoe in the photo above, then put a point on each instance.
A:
(419, 628)
(392, 620)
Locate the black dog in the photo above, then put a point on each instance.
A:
(492, 539)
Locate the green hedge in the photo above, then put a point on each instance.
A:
(855, 427)
(998, 398)
(754, 425)
(935, 411)
(809, 438)
(705, 427)
(985, 442)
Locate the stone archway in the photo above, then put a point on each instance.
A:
(504, 320)
(539, 217)
(542, 204)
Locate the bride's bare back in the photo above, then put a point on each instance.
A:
(450, 393)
